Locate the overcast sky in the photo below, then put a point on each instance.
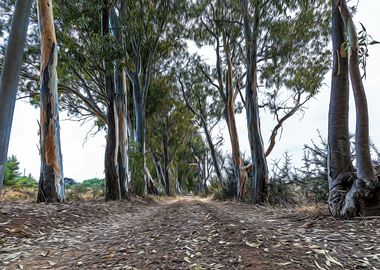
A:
(85, 160)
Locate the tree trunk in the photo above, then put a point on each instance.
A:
(159, 171)
(240, 174)
(212, 150)
(260, 175)
(166, 162)
(140, 181)
(10, 76)
(123, 138)
(121, 106)
(340, 169)
(51, 184)
(111, 165)
(349, 193)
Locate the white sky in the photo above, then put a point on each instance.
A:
(84, 161)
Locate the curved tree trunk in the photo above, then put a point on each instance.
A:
(51, 184)
(349, 194)
(10, 76)
(111, 165)
(212, 150)
(340, 169)
(241, 174)
(260, 176)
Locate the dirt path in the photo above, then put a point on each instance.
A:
(186, 233)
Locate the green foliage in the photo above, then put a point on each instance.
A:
(26, 181)
(94, 183)
(87, 190)
(11, 170)
(12, 176)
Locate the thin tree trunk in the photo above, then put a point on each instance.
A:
(240, 174)
(111, 165)
(260, 175)
(166, 162)
(159, 171)
(51, 184)
(10, 76)
(212, 150)
(123, 138)
(140, 181)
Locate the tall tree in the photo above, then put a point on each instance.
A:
(152, 35)
(120, 78)
(196, 92)
(350, 193)
(251, 34)
(281, 73)
(51, 184)
(10, 76)
(111, 165)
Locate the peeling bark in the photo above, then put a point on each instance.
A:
(241, 174)
(111, 165)
(260, 176)
(121, 107)
(51, 184)
(10, 76)
(123, 138)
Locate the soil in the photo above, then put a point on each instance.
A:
(182, 233)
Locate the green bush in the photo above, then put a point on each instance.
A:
(94, 183)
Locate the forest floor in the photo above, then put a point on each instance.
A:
(182, 233)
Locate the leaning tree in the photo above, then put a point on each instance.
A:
(10, 76)
(351, 192)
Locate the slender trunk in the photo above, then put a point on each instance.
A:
(113, 192)
(260, 175)
(231, 93)
(236, 159)
(159, 171)
(51, 184)
(123, 137)
(212, 150)
(166, 162)
(363, 157)
(10, 76)
(340, 169)
(140, 140)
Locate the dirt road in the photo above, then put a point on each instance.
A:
(185, 233)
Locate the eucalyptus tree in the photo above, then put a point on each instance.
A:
(204, 102)
(169, 128)
(82, 91)
(350, 191)
(219, 26)
(51, 184)
(152, 31)
(10, 75)
(279, 74)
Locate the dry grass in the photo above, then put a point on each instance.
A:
(18, 194)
